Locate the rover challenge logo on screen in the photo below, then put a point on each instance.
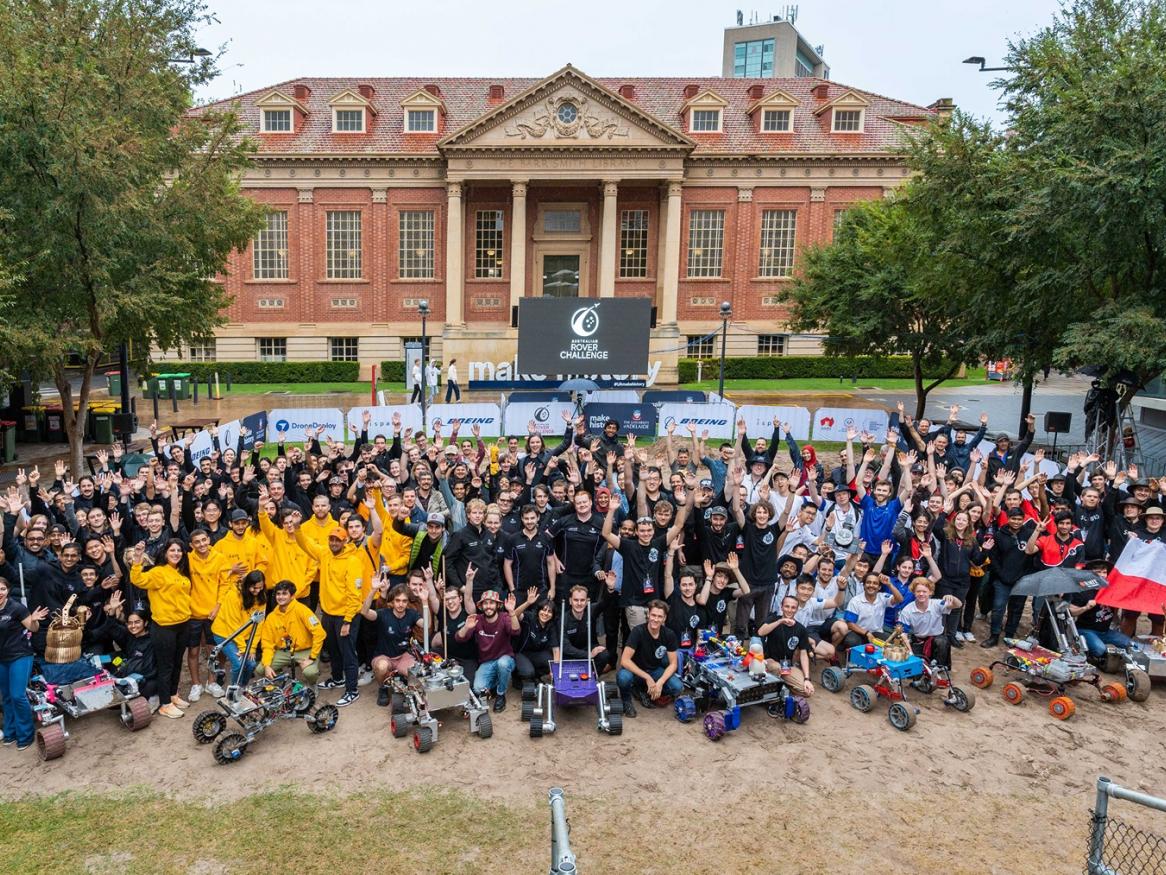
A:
(585, 321)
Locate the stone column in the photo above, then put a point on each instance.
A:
(608, 241)
(454, 253)
(517, 243)
(670, 257)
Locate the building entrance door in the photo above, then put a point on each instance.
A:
(561, 276)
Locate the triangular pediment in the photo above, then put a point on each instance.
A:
(349, 99)
(777, 100)
(849, 100)
(567, 110)
(422, 99)
(706, 98)
(278, 100)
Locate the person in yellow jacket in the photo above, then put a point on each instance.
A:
(288, 560)
(341, 586)
(316, 529)
(208, 570)
(238, 602)
(168, 586)
(241, 546)
(395, 546)
(291, 634)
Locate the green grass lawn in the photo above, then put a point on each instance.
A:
(975, 377)
(309, 388)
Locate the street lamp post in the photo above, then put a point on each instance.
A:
(726, 314)
(423, 309)
(976, 59)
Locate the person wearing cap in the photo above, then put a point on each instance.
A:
(716, 535)
(1010, 562)
(491, 630)
(241, 545)
(341, 591)
(290, 633)
(1005, 456)
(843, 522)
(718, 466)
(1123, 521)
(714, 595)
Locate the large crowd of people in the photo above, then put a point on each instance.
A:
(508, 555)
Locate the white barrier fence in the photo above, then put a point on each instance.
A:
(717, 419)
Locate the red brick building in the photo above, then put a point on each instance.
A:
(471, 193)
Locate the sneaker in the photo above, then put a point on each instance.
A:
(969, 637)
(23, 745)
(331, 684)
(364, 678)
(500, 702)
(154, 703)
(646, 700)
(214, 690)
(990, 641)
(383, 697)
(195, 692)
(957, 641)
(8, 742)
(629, 708)
(180, 702)
(347, 699)
(171, 710)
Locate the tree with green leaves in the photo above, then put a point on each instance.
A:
(124, 207)
(875, 291)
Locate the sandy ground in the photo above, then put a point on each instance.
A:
(999, 789)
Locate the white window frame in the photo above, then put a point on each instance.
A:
(779, 231)
(336, 110)
(291, 122)
(416, 244)
(699, 346)
(205, 350)
(634, 226)
(269, 249)
(692, 120)
(338, 263)
(706, 244)
(776, 111)
(418, 111)
(350, 351)
(847, 109)
(274, 344)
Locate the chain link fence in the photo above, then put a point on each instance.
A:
(1117, 847)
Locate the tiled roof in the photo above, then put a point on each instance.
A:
(466, 99)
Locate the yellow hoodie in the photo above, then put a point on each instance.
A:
(395, 547)
(297, 626)
(169, 592)
(245, 551)
(231, 615)
(289, 561)
(206, 577)
(340, 577)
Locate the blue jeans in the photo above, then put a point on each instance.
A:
(14, 676)
(626, 681)
(494, 675)
(235, 656)
(1002, 598)
(1095, 641)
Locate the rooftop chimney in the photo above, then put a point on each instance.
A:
(366, 91)
(496, 93)
(943, 107)
(301, 92)
(627, 91)
(821, 90)
(756, 91)
(433, 89)
(690, 91)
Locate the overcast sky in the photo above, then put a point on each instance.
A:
(907, 49)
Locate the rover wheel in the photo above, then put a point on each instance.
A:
(1013, 693)
(230, 748)
(529, 692)
(324, 719)
(615, 724)
(714, 725)
(1113, 693)
(961, 699)
(50, 742)
(833, 678)
(1138, 685)
(137, 714)
(1114, 662)
(398, 726)
(208, 726)
(615, 706)
(901, 716)
(536, 727)
(982, 677)
(685, 709)
(302, 701)
(801, 709)
(1062, 707)
(422, 739)
(925, 683)
(863, 698)
(527, 709)
(485, 726)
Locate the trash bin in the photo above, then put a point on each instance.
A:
(7, 440)
(179, 386)
(33, 429)
(114, 378)
(102, 426)
(55, 425)
(152, 389)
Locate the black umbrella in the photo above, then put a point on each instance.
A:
(1057, 581)
(578, 384)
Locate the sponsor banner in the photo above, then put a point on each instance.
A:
(294, 420)
(547, 417)
(830, 423)
(203, 445)
(637, 419)
(759, 420)
(382, 419)
(717, 419)
(488, 417)
(256, 425)
(614, 396)
(574, 336)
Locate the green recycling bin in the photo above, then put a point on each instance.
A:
(55, 425)
(114, 378)
(152, 388)
(179, 386)
(7, 440)
(102, 427)
(32, 430)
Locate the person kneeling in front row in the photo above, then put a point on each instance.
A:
(291, 634)
(924, 617)
(394, 626)
(648, 662)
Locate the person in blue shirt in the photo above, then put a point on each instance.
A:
(880, 508)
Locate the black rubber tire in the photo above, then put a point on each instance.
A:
(230, 748)
(397, 704)
(1113, 662)
(529, 692)
(423, 739)
(1138, 685)
(527, 709)
(615, 706)
(399, 728)
(324, 719)
(536, 727)
(963, 700)
(208, 726)
(615, 724)
(485, 726)
(304, 700)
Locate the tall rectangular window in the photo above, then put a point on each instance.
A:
(277, 121)
(753, 59)
(269, 248)
(415, 249)
(706, 241)
(349, 120)
(633, 244)
(488, 244)
(706, 120)
(344, 349)
(775, 120)
(421, 120)
(771, 344)
(778, 229)
(699, 346)
(343, 244)
(272, 349)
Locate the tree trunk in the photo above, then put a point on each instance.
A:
(1025, 405)
(75, 420)
(920, 391)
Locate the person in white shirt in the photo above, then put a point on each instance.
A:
(924, 619)
(865, 614)
(452, 389)
(416, 396)
(814, 612)
(432, 374)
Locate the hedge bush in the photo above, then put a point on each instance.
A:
(805, 366)
(265, 372)
(392, 372)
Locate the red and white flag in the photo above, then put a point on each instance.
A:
(1138, 580)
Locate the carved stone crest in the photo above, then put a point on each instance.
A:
(565, 116)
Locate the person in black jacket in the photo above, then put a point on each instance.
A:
(1010, 562)
(472, 544)
(136, 651)
(532, 645)
(959, 551)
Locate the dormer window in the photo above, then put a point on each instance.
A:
(706, 120)
(775, 121)
(848, 121)
(277, 121)
(348, 121)
(421, 120)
